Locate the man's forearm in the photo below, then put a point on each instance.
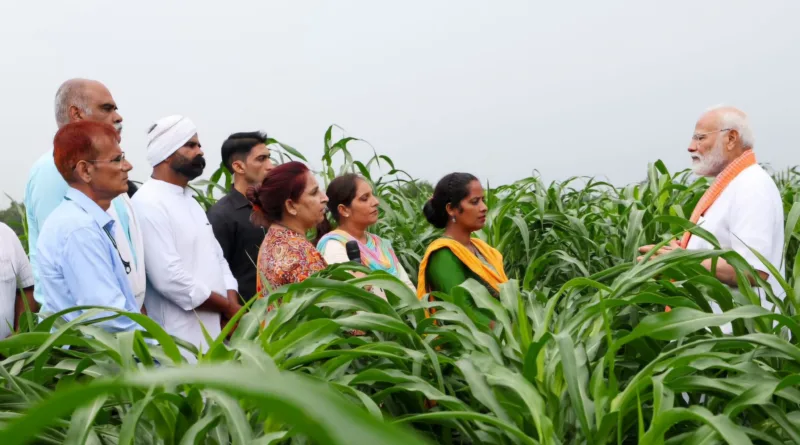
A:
(216, 303)
(19, 306)
(727, 274)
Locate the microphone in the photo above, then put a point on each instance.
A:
(353, 251)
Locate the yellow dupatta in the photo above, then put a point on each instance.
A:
(493, 276)
(747, 159)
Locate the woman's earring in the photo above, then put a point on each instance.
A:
(454, 219)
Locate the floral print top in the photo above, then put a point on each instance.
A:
(286, 257)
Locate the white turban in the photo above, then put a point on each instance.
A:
(167, 136)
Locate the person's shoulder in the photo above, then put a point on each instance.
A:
(44, 161)
(221, 208)
(148, 195)
(442, 253)
(44, 172)
(755, 179)
(66, 218)
(6, 232)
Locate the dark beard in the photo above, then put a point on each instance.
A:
(189, 168)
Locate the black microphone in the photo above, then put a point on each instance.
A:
(353, 252)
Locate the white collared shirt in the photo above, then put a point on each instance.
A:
(748, 214)
(184, 261)
(15, 273)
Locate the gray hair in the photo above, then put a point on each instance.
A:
(71, 93)
(735, 119)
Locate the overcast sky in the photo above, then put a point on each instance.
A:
(499, 88)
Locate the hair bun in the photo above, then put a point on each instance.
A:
(436, 216)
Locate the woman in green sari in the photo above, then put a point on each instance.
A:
(458, 206)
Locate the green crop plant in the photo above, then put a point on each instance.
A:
(582, 351)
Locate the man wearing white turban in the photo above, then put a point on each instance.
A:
(189, 283)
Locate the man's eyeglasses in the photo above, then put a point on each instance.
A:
(119, 160)
(697, 137)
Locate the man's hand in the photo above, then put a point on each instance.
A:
(233, 304)
(232, 309)
(672, 246)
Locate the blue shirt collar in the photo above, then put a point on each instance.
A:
(90, 207)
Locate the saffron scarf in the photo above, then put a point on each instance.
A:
(717, 187)
(493, 276)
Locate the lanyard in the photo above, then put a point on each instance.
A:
(125, 264)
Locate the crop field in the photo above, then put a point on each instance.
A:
(582, 351)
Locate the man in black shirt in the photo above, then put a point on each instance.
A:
(246, 156)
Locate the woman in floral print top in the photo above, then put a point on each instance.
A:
(289, 202)
(287, 257)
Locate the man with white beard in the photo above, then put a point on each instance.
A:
(78, 100)
(742, 208)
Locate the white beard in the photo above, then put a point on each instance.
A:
(712, 163)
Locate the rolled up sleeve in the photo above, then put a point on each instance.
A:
(165, 270)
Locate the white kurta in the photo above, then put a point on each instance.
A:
(184, 261)
(15, 273)
(748, 214)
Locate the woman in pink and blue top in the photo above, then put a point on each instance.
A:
(354, 207)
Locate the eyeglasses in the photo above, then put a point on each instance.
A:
(118, 160)
(697, 137)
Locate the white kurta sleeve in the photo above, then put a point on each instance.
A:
(404, 277)
(165, 270)
(335, 253)
(22, 267)
(753, 223)
(230, 281)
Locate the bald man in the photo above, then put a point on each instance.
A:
(742, 208)
(82, 100)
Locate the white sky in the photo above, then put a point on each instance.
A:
(498, 89)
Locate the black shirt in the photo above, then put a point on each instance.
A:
(239, 238)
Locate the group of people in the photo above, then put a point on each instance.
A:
(97, 240)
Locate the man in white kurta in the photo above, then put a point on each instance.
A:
(742, 208)
(748, 215)
(187, 276)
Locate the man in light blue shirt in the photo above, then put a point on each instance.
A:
(78, 100)
(79, 261)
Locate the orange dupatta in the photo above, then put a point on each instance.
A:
(493, 278)
(720, 183)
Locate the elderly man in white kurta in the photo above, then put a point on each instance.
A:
(189, 282)
(742, 208)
